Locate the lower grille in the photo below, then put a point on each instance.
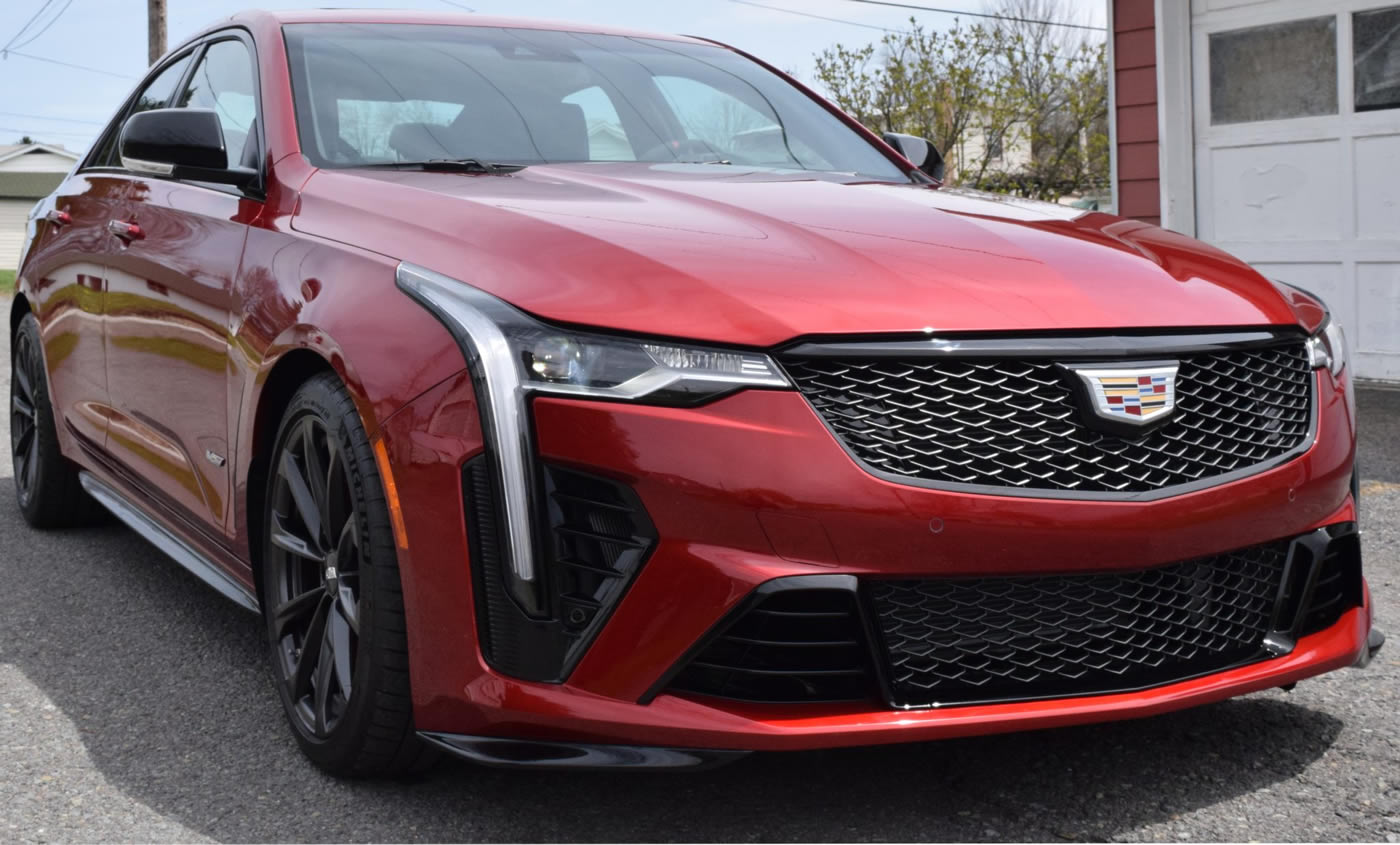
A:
(788, 646)
(971, 640)
(933, 642)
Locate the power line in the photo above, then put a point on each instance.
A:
(58, 119)
(458, 5)
(31, 39)
(977, 14)
(69, 64)
(27, 25)
(810, 15)
(31, 133)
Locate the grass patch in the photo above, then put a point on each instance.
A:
(7, 282)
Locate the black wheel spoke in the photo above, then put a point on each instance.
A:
(20, 405)
(294, 610)
(310, 650)
(24, 441)
(325, 667)
(284, 538)
(307, 507)
(317, 478)
(339, 633)
(23, 380)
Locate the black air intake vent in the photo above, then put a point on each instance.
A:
(597, 536)
(794, 645)
(1337, 588)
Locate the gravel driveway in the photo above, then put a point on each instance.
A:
(134, 706)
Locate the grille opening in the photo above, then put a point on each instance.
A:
(964, 641)
(791, 646)
(1338, 586)
(1017, 423)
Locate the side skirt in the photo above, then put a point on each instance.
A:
(159, 536)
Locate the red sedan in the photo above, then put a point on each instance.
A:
(563, 396)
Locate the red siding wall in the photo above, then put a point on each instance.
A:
(1135, 78)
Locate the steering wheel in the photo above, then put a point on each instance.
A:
(685, 150)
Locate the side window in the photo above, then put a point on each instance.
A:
(154, 96)
(607, 141)
(223, 81)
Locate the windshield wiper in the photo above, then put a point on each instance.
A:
(453, 165)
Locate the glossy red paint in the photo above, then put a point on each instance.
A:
(181, 343)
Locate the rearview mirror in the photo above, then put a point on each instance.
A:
(181, 144)
(920, 151)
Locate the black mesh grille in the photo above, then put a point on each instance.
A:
(958, 641)
(793, 646)
(1017, 423)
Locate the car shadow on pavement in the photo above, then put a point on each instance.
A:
(165, 684)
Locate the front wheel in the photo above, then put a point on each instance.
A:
(331, 592)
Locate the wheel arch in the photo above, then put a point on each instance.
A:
(290, 371)
(18, 308)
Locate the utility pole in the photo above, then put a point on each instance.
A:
(155, 29)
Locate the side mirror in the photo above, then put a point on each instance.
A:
(920, 151)
(181, 144)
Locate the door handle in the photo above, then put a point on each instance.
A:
(58, 218)
(126, 231)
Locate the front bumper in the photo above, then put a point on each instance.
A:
(754, 488)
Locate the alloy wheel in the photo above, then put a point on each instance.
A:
(25, 381)
(314, 551)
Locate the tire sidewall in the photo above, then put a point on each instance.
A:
(325, 398)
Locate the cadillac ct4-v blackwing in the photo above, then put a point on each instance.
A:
(573, 397)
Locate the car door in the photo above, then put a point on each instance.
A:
(170, 283)
(69, 262)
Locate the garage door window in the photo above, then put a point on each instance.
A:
(1376, 51)
(1274, 72)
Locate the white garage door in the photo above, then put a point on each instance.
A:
(13, 214)
(1297, 131)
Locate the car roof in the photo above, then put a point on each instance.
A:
(446, 18)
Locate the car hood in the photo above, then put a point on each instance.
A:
(754, 257)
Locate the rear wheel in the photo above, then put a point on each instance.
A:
(332, 595)
(46, 483)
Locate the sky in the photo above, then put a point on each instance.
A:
(69, 106)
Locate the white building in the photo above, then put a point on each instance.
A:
(1271, 128)
(27, 172)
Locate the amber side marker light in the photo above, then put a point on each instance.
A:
(391, 493)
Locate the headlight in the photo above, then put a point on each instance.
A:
(1328, 348)
(512, 355)
(550, 359)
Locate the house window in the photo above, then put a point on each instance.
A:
(1376, 58)
(995, 149)
(1274, 72)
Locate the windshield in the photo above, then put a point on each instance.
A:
(384, 93)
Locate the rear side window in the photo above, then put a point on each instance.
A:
(156, 95)
(223, 81)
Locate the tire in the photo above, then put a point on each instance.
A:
(332, 596)
(46, 483)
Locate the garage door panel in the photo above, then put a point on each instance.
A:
(1378, 292)
(1276, 192)
(1313, 200)
(1378, 187)
(1328, 280)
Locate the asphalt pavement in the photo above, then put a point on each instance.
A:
(135, 706)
